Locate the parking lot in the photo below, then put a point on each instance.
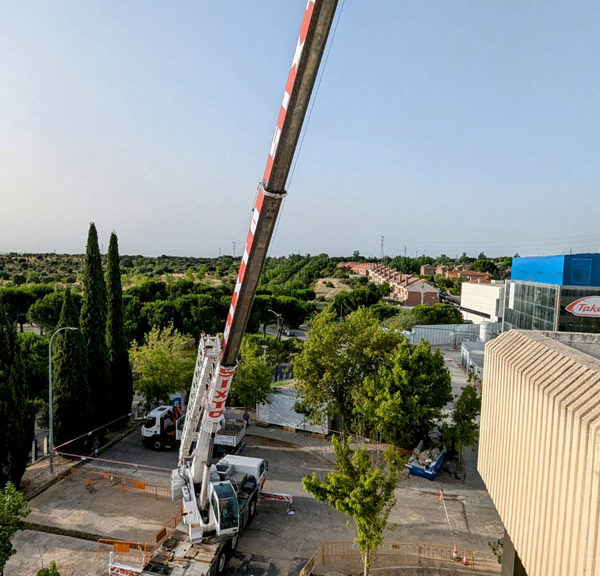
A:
(275, 542)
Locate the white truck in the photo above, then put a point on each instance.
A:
(218, 499)
(163, 428)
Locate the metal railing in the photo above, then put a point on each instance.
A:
(138, 552)
(397, 558)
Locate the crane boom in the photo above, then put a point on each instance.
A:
(314, 31)
(217, 358)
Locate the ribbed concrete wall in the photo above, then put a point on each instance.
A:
(539, 450)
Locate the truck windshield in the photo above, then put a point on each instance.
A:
(150, 422)
(227, 506)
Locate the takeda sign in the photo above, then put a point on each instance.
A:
(587, 306)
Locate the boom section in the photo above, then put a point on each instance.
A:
(312, 39)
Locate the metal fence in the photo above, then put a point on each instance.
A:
(393, 559)
(136, 553)
(451, 334)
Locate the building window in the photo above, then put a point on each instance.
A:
(581, 272)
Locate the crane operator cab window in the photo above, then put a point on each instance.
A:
(226, 508)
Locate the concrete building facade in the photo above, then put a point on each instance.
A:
(482, 302)
(539, 450)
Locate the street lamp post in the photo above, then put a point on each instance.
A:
(50, 407)
(279, 323)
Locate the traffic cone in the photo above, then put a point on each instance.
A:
(455, 554)
(465, 561)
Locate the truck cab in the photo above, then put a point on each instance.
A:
(159, 428)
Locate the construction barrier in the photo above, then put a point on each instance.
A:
(125, 483)
(167, 529)
(125, 551)
(400, 558)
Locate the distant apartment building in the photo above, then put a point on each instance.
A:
(462, 272)
(475, 277)
(404, 288)
(427, 270)
(482, 302)
(559, 293)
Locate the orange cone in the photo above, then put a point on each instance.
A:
(455, 554)
(465, 561)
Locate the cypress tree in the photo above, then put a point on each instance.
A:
(71, 394)
(93, 329)
(118, 352)
(16, 430)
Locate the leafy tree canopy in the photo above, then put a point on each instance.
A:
(336, 357)
(404, 399)
(13, 511)
(362, 491)
(464, 429)
(46, 311)
(437, 314)
(163, 364)
(252, 381)
(485, 265)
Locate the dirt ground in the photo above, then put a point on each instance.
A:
(322, 287)
(87, 505)
(275, 544)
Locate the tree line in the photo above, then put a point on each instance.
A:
(92, 382)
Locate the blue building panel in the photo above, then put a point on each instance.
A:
(541, 269)
(562, 270)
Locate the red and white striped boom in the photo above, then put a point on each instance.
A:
(314, 31)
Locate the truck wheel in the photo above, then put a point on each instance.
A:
(221, 562)
(157, 444)
(252, 508)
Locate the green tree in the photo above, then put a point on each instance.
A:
(72, 406)
(362, 491)
(437, 314)
(485, 265)
(52, 570)
(163, 364)
(334, 360)
(404, 399)
(34, 352)
(464, 430)
(18, 300)
(118, 355)
(13, 511)
(16, 412)
(93, 328)
(403, 320)
(45, 312)
(252, 381)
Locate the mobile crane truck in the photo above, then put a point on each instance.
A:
(218, 500)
